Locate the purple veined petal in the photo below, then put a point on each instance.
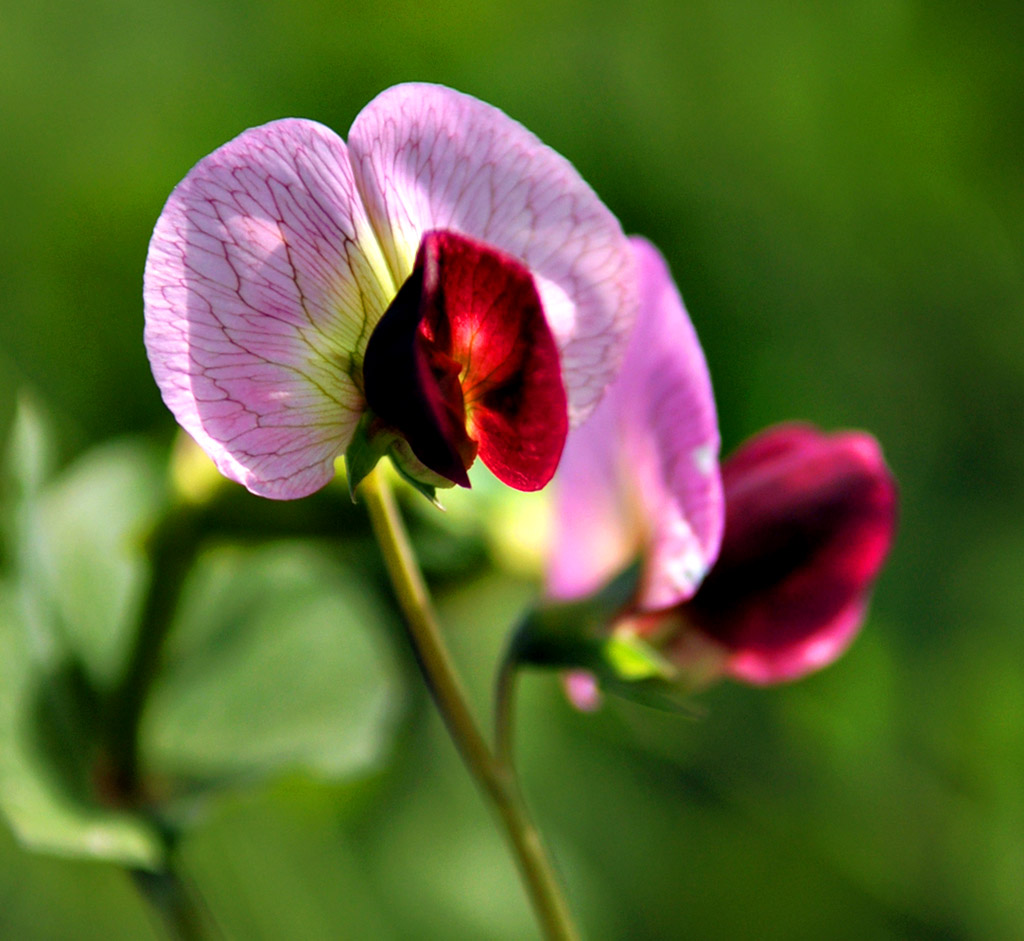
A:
(262, 284)
(427, 157)
(641, 475)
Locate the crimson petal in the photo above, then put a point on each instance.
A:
(469, 304)
(515, 398)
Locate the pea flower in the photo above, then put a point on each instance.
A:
(808, 517)
(441, 286)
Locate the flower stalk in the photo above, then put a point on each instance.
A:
(495, 777)
(176, 905)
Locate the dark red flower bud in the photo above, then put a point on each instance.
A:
(810, 518)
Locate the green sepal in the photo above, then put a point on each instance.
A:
(428, 490)
(572, 634)
(369, 444)
(373, 439)
(581, 635)
(633, 659)
(414, 472)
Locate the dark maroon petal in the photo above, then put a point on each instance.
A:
(809, 520)
(464, 358)
(411, 384)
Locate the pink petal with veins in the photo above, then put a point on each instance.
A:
(427, 157)
(262, 284)
(641, 476)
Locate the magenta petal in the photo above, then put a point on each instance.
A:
(641, 476)
(429, 158)
(800, 656)
(758, 453)
(262, 277)
(810, 518)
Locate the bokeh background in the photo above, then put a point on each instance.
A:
(838, 188)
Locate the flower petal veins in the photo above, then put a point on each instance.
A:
(262, 283)
(276, 256)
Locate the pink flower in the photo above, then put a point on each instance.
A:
(503, 288)
(810, 518)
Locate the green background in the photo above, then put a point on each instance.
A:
(838, 188)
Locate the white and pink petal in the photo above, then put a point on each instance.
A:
(262, 284)
(595, 533)
(670, 437)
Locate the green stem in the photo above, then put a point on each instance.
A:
(175, 903)
(172, 549)
(180, 910)
(504, 707)
(496, 778)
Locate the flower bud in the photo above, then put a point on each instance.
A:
(809, 521)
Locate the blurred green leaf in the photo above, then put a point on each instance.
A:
(95, 518)
(48, 706)
(45, 806)
(30, 453)
(278, 662)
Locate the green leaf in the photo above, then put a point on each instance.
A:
(43, 794)
(48, 705)
(278, 661)
(94, 520)
(30, 453)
